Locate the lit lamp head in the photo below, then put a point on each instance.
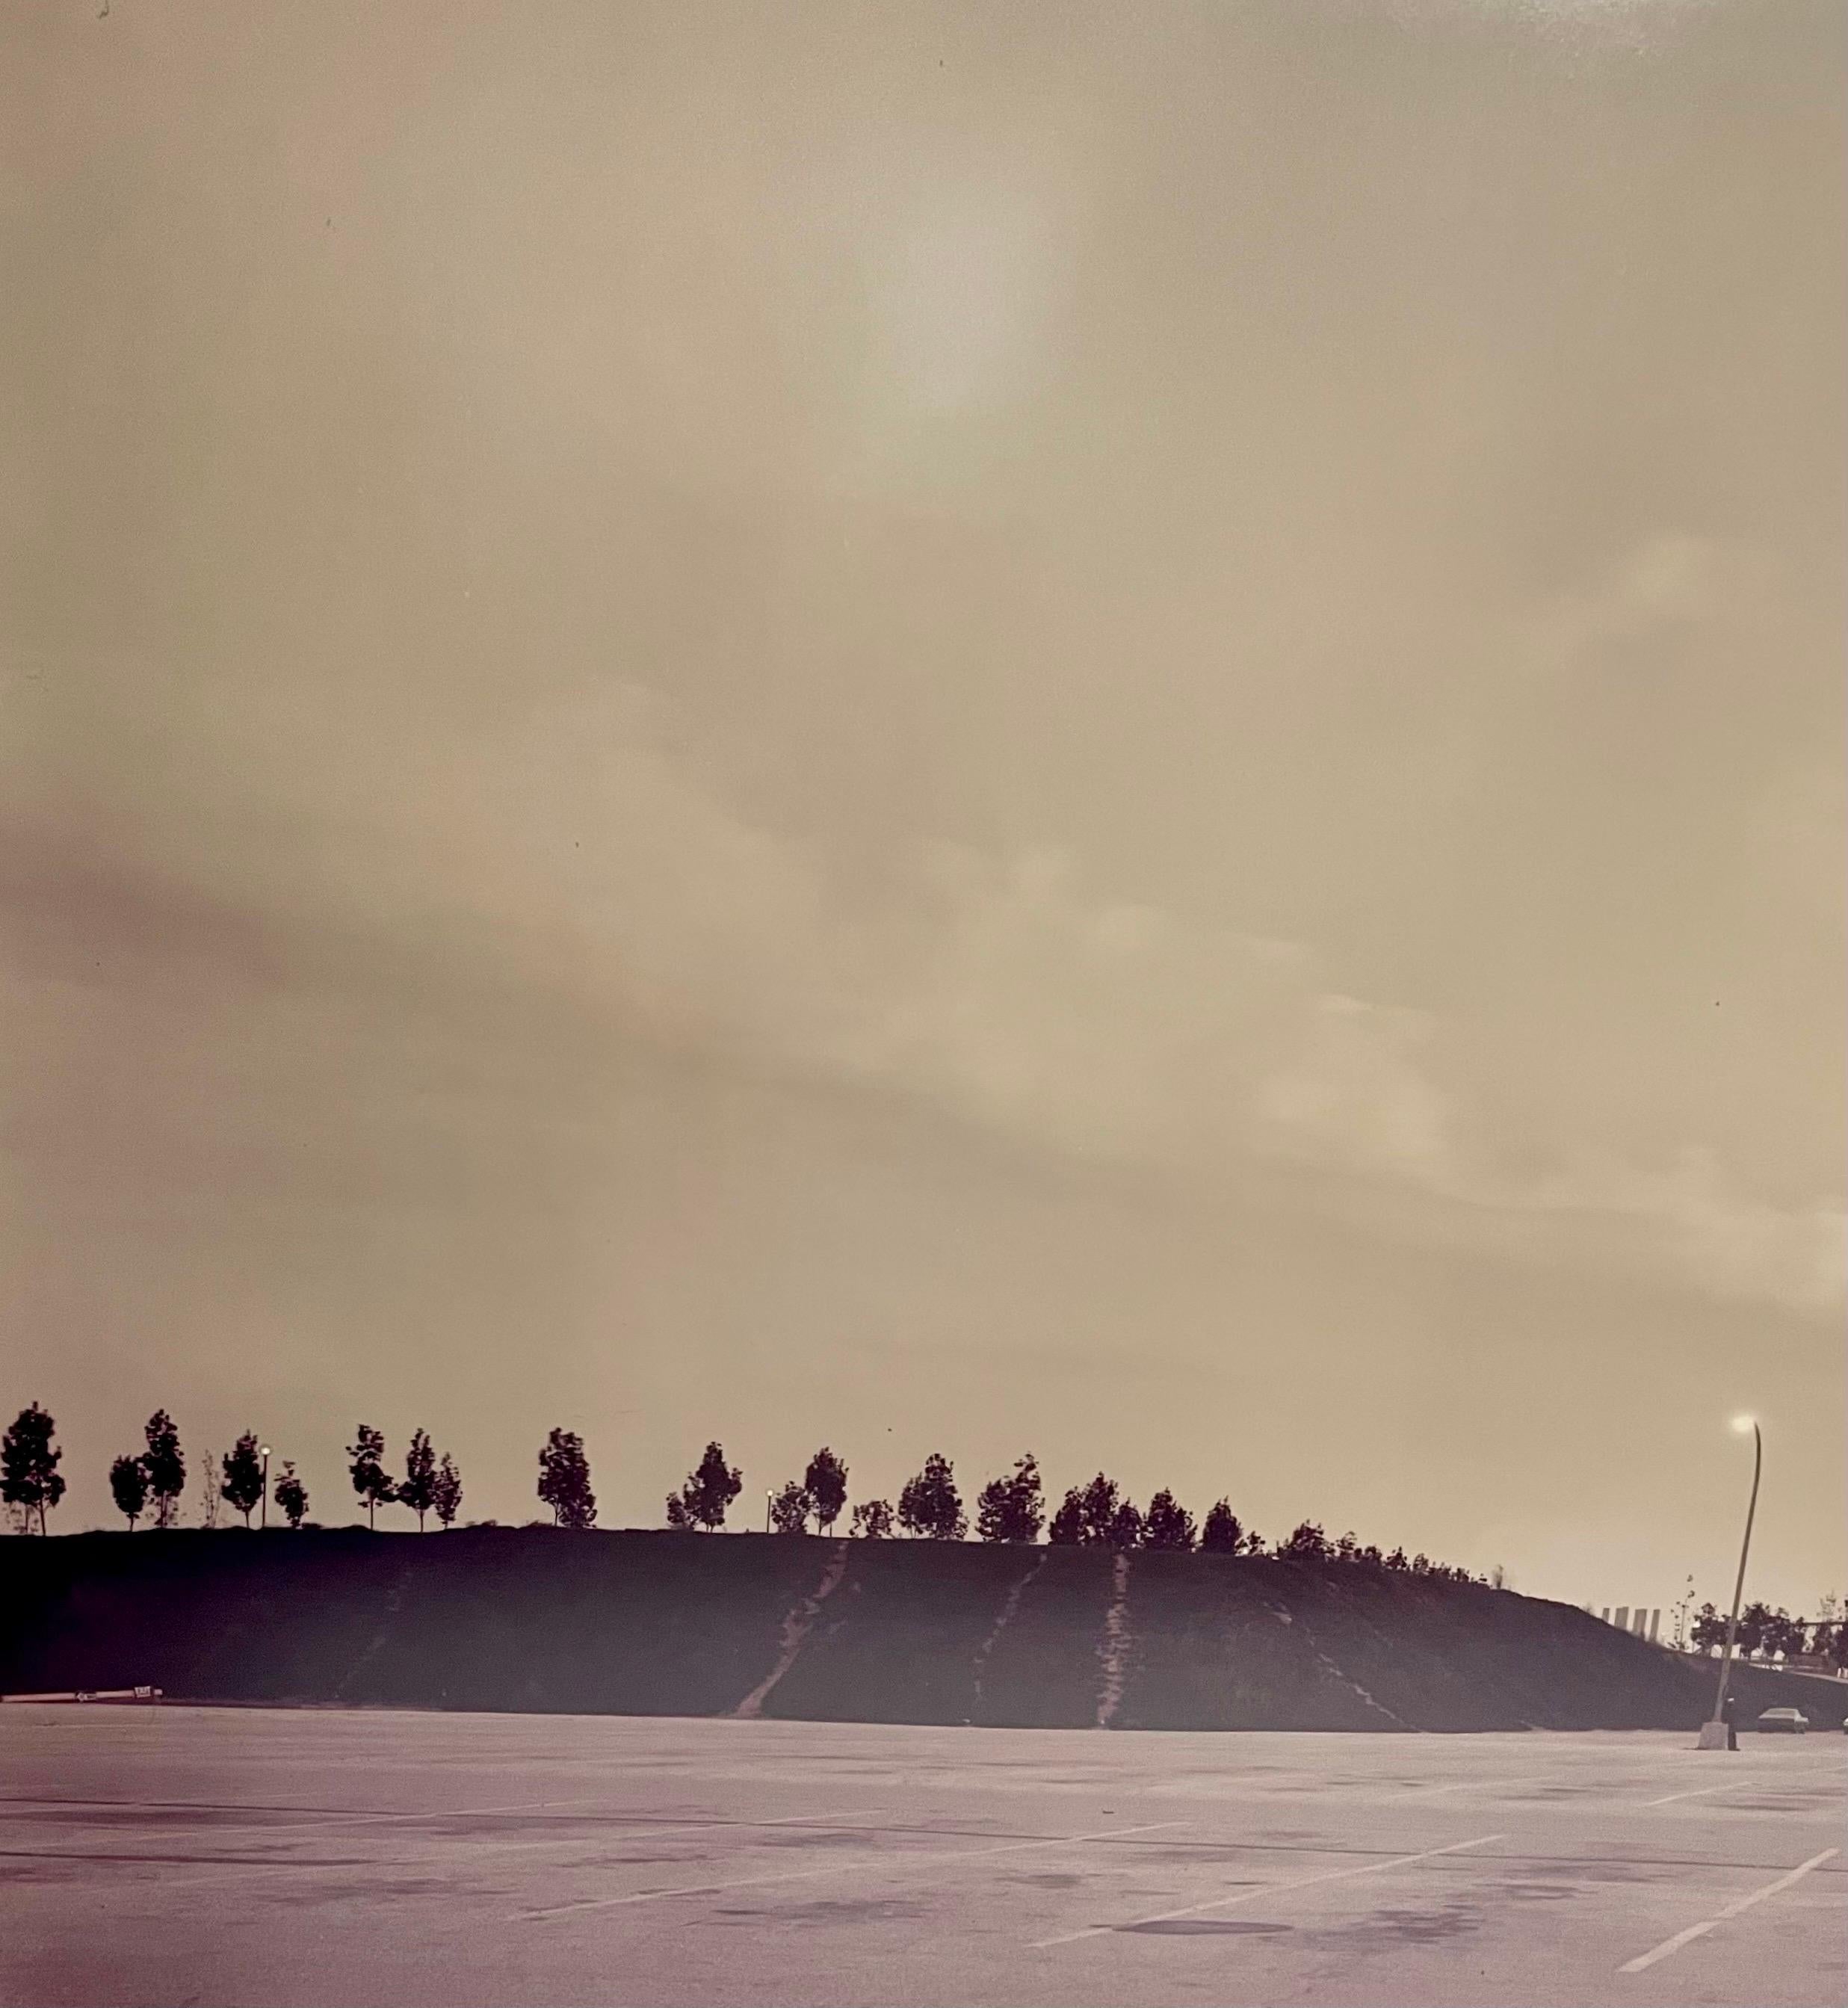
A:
(1744, 1425)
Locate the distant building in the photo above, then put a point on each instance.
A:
(1640, 1622)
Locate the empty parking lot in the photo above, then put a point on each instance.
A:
(210, 1856)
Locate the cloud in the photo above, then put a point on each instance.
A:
(1006, 990)
(1730, 1242)
(584, 857)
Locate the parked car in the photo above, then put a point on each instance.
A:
(1792, 1720)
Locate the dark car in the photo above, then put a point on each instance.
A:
(1793, 1721)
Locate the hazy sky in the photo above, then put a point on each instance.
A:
(1111, 728)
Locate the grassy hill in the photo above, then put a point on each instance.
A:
(648, 1624)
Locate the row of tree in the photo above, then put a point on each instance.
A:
(150, 1484)
(1010, 1508)
(1773, 1635)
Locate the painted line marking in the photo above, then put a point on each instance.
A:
(1267, 1889)
(884, 1867)
(1707, 1791)
(1732, 1909)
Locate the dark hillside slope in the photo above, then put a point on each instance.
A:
(826, 1630)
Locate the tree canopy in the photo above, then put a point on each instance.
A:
(165, 1466)
(127, 1487)
(564, 1480)
(292, 1495)
(243, 1486)
(1167, 1524)
(446, 1492)
(790, 1508)
(930, 1505)
(825, 1482)
(1012, 1506)
(29, 1479)
(703, 1501)
(418, 1488)
(370, 1480)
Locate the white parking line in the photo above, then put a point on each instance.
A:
(1268, 1889)
(895, 1865)
(1732, 1909)
(1706, 1791)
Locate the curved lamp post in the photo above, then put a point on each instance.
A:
(1741, 1424)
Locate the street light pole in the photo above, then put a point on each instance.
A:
(1726, 1658)
(265, 1521)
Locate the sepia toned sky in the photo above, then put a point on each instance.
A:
(1110, 729)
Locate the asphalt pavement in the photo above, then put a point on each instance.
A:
(168, 1855)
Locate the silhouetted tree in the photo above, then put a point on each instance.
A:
(1348, 1548)
(1396, 1561)
(209, 1501)
(706, 1498)
(790, 1508)
(370, 1482)
(1091, 1515)
(1126, 1525)
(418, 1489)
(29, 1460)
(291, 1495)
(243, 1487)
(1221, 1534)
(564, 1480)
(872, 1520)
(1307, 1544)
(1370, 1557)
(165, 1467)
(930, 1506)
(1782, 1634)
(1169, 1523)
(1101, 1500)
(1752, 1622)
(1065, 1529)
(1011, 1508)
(1707, 1630)
(1836, 1645)
(446, 1492)
(825, 1482)
(128, 1484)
